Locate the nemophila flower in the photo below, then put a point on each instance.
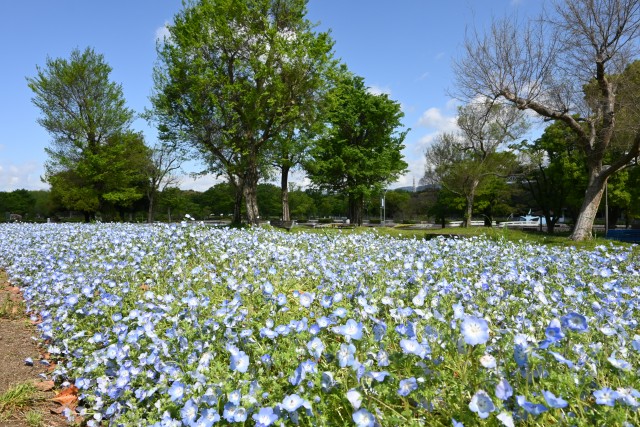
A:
(189, 412)
(412, 346)
(553, 332)
(326, 301)
(575, 322)
(315, 347)
(553, 401)
(506, 419)
(475, 330)
(619, 363)
(291, 402)
(482, 404)
(458, 310)
(265, 417)
(629, 396)
(606, 396)
(635, 343)
(355, 398)
(240, 362)
(346, 354)
(351, 330)
(532, 408)
(379, 330)
(378, 376)
(456, 423)
(306, 299)
(503, 390)
(407, 386)
(488, 361)
(234, 397)
(176, 391)
(363, 418)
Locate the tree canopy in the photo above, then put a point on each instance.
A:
(93, 157)
(233, 78)
(361, 151)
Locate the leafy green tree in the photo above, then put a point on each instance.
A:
(112, 177)
(466, 161)
(361, 151)
(397, 204)
(233, 78)
(302, 204)
(85, 114)
(269, 200)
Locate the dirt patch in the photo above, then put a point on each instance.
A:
(16, 345)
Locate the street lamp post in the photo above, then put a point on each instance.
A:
(383, 209)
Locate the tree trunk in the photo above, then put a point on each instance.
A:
(355, 209)
(250, 192)
(169, 213)
(469, 209)
(150, 212)
(284, 188)
(592, 196)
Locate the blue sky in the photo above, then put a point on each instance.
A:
(403, 48)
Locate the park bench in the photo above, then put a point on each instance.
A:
(624, 235)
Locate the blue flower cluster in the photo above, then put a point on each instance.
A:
(185, 325)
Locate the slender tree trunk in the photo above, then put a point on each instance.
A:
(284, 188)
(584, 223)
(151, 207)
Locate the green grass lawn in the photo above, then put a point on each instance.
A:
(494, 233)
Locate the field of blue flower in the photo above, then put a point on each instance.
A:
(185, 325)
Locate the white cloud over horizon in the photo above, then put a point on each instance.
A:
(21, 176)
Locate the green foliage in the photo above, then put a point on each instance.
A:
(93, 157)
(112, 176)
(361, 151)
(233, 78)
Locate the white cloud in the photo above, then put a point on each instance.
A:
(434, 119)
(162, 32)
(201, 183)
(23, 176)
(439, 56)
(379, 90)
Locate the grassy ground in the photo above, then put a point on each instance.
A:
(560, 239)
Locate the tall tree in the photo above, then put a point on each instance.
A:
(463, 162)
(233, 77)
(82, 110)
(361, 151)
(545, 65)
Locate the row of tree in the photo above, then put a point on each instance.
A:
(246, 88)
(554, 190)
(250, 90)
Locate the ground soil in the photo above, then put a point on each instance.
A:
(17, 343)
